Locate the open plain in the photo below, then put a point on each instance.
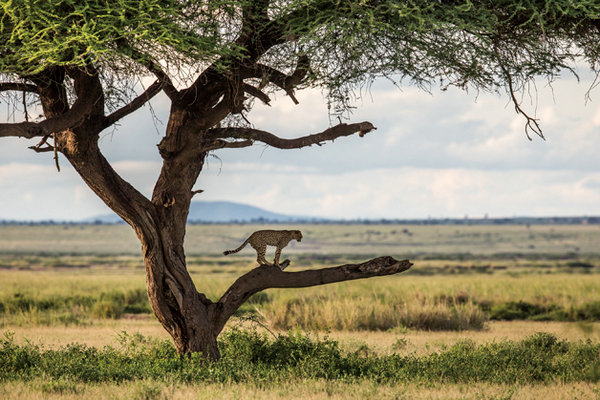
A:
(506, 311)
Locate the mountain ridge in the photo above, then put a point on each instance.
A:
(216, 212)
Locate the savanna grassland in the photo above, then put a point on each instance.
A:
(510, 311)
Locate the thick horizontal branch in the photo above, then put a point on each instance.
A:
(22, 129)
(73, 117)
(263, 136)
(135, 104)
(18, 86)
(266, 276)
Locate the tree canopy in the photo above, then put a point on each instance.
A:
(482, 44)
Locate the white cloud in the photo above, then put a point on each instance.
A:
(413, 192)
(446, 154)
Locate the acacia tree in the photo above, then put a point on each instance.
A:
(82, 62)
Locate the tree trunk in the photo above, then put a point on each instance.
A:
(187, 315)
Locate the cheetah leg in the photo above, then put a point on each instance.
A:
(260, 255)
(277, 255)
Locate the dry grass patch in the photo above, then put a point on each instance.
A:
(302, 389)
(400, 341)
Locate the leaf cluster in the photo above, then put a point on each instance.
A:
(38, 34)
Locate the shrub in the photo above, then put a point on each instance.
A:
(515, 310)
(251, 357)
(136, 301)
(589, 311)
(107, 309)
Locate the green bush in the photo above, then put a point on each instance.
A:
(136, 301)
(108, 309)
(251, 357)
(513, 310)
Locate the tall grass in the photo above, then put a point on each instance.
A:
(458, 302)
(320, 314)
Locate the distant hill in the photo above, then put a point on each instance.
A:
(204, 212)
(216, 211)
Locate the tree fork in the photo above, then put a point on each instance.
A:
(194, 322)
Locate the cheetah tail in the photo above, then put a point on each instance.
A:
(227, 252)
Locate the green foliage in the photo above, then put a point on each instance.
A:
(107, 309)
(463, 43)
(71, 309)
(250, 357)
(39, 34)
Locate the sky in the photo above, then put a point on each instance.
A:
(434, 155)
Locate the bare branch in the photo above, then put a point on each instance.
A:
(266, 276)
(262, 136)
(167, 84)
(256, 92)
(531, 124)
(278, 78)
(46, 149)
(222, 144)
(135, 104)
(55, 152)
(18, 87)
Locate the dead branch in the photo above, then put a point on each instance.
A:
(278, 78)
(531, 124)
(267, 276)
(263, 136)
(135, 104)
(18, 86)
(256, 92)
(222, 144)
(154, 68)
(46, 149)
(55, 152)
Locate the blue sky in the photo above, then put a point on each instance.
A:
(439, 154)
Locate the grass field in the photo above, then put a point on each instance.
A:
(478, 285)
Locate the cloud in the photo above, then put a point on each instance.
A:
(412, 192)
(34, 192)
(442, 154)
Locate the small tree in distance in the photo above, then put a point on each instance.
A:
(81, 62)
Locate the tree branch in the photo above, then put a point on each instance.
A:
(222, 144)
(135, 104)
(256, 92)
(263, 136)
(26, 130)
(18, 87)
(278, 78)
(88, 102)
(167, 84)
(266, 276)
